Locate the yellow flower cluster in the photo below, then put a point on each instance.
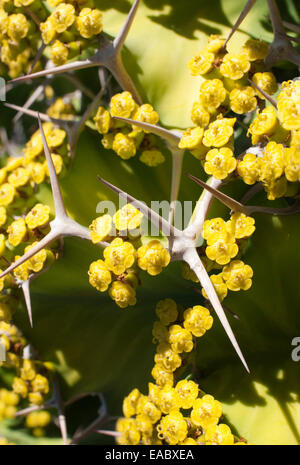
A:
(37, 421)
(174, 413)
(8, 404)
(31, 383)
(123, 139)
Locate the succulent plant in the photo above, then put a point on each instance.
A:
(149, 210)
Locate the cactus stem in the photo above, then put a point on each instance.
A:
(240, 19)
(267, 96)
(108, 55)
(191, 257)
(225, 199)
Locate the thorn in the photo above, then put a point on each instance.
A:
(177, 160)
(170, 136)
(37, 57)
(121, 37)
(56, 192)
(115, 434)
(65, 123)
(193, 260)
(73, 66)
(167, 229)
(225, 199)
(26, 292)
(33, 97)
(267, 96)
(293, 27)
(240, 19)
(60, 408)
(51, 236)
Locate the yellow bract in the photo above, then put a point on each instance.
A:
(101, 228)
(153, 257)
(127, 218)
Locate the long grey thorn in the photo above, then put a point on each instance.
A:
(293, 27)
(37, 57)
(172, 137)
(281, 48)
(32, 98)
(240, 19)
(60, 410)
(108, 55)
(225, 199)
(60, 210)
(25, 286)
(177, 160)
(151, 215)
(121, 37)
(191, 257)
(267, 96)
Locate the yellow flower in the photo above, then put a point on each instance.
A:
(248, 169)
(37, 172)
(146, 114)
(40, 384)
(38, 419)
(99, 275)
(130, 403)
(20, 387)
(17, 231)
(206, 411)
(173, 428)
(48, 31)
(7, 194)
(234, 66)
(200, 116)
(152, 412)
(237, 276)
(255, 49)
(19, 177)
(197, 320)
(55, 137)
(212, 94)
(181, 339)
(218, 435)
(37, 262)
(124, 146)
(62, 17)
(264, 124)
(191, 138)
(162, 377)
(202, 63)
(215, 43)
(130, 434)
(17, 27)
(145, 426)
(59, 53)
(35, 398)
(288, 105)
(241, 225)
(21, 272)
(102, 120)
(89, 22)
(265, 81)
(243, 100)
(272, 163)
(152, 157)
(57, 162)
(213, 230)
(159, 332)
(38, 217)
(168, 399)
(167, 358)
(219, 285)
(222, 251)
(166, 310)
(101, 228)
(127, 218)
(119, 256)
(123, 294)
(220, 162)
(122, 105)
(292, 169)
(34, 146)
(188, 393)
(219, 132)
(153, 257)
